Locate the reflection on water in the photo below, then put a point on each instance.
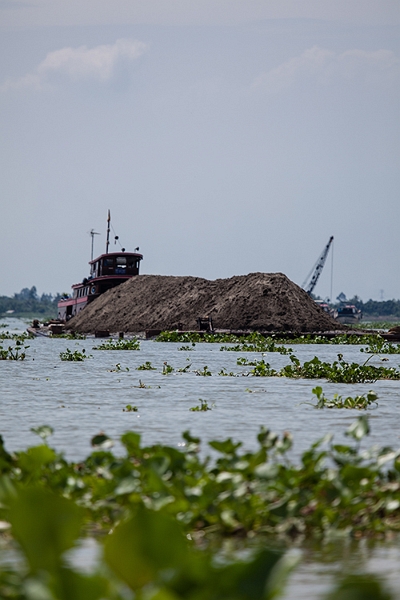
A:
(80, 399)
(320, 567)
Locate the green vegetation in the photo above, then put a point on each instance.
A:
(359, 402)
(339, 371)
(21, 337)
(111, 344)
(167, 369)
(380, 346)
(205, 372)
(16, 352)
(186, 368)
(260, 344)
(118, 369)
(194, 337)
(160, 515)
(72, 335)
(376, 324)
(130, 408)
(143, 386)
(340, 339)
(257, 342)
(202, 407)
(145, 557)
(259, 491)
(76, 356)
(334, 487)
(28, 304)
(147, 366)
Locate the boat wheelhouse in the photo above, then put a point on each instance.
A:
(349, 314)
(106, 271)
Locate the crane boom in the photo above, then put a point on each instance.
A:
(317, 269)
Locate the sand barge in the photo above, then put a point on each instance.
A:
(257, 302)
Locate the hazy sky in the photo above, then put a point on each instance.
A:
(226, 137)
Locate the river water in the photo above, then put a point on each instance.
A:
(79, 399)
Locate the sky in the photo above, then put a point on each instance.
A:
(225, 136)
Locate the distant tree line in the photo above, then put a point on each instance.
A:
(28, 302)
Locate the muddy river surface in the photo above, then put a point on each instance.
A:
(79, 399)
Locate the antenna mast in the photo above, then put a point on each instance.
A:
(108, 231)
(92, 233)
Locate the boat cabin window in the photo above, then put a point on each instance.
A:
(120, 265)
(115, 265)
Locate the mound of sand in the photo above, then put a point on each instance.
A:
(257, 302)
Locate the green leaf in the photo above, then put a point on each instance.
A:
(70, 585)
(225, 447)
(140, 549)
(35, 458)
(45, 525)
(102, 441)
(247, 580)
(5, 458)
(131, 441)
(44, 431)
(359, 428)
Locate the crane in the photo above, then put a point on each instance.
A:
(317, 269)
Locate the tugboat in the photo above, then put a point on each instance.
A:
(106, 271)
(349, 314)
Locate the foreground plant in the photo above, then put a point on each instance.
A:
(146, 556)
(333, 489)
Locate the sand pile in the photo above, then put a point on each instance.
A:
(258, 301)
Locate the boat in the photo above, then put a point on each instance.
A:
(52, 328)
(348, 314)
(106, 271)
(326, 308)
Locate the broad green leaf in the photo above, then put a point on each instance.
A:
(45, 525)
(102, 441)
(225, 447)
(44, 431)
(131, 441)
(35, 458)
(70, 585)
(140, 549)
(359, 428)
